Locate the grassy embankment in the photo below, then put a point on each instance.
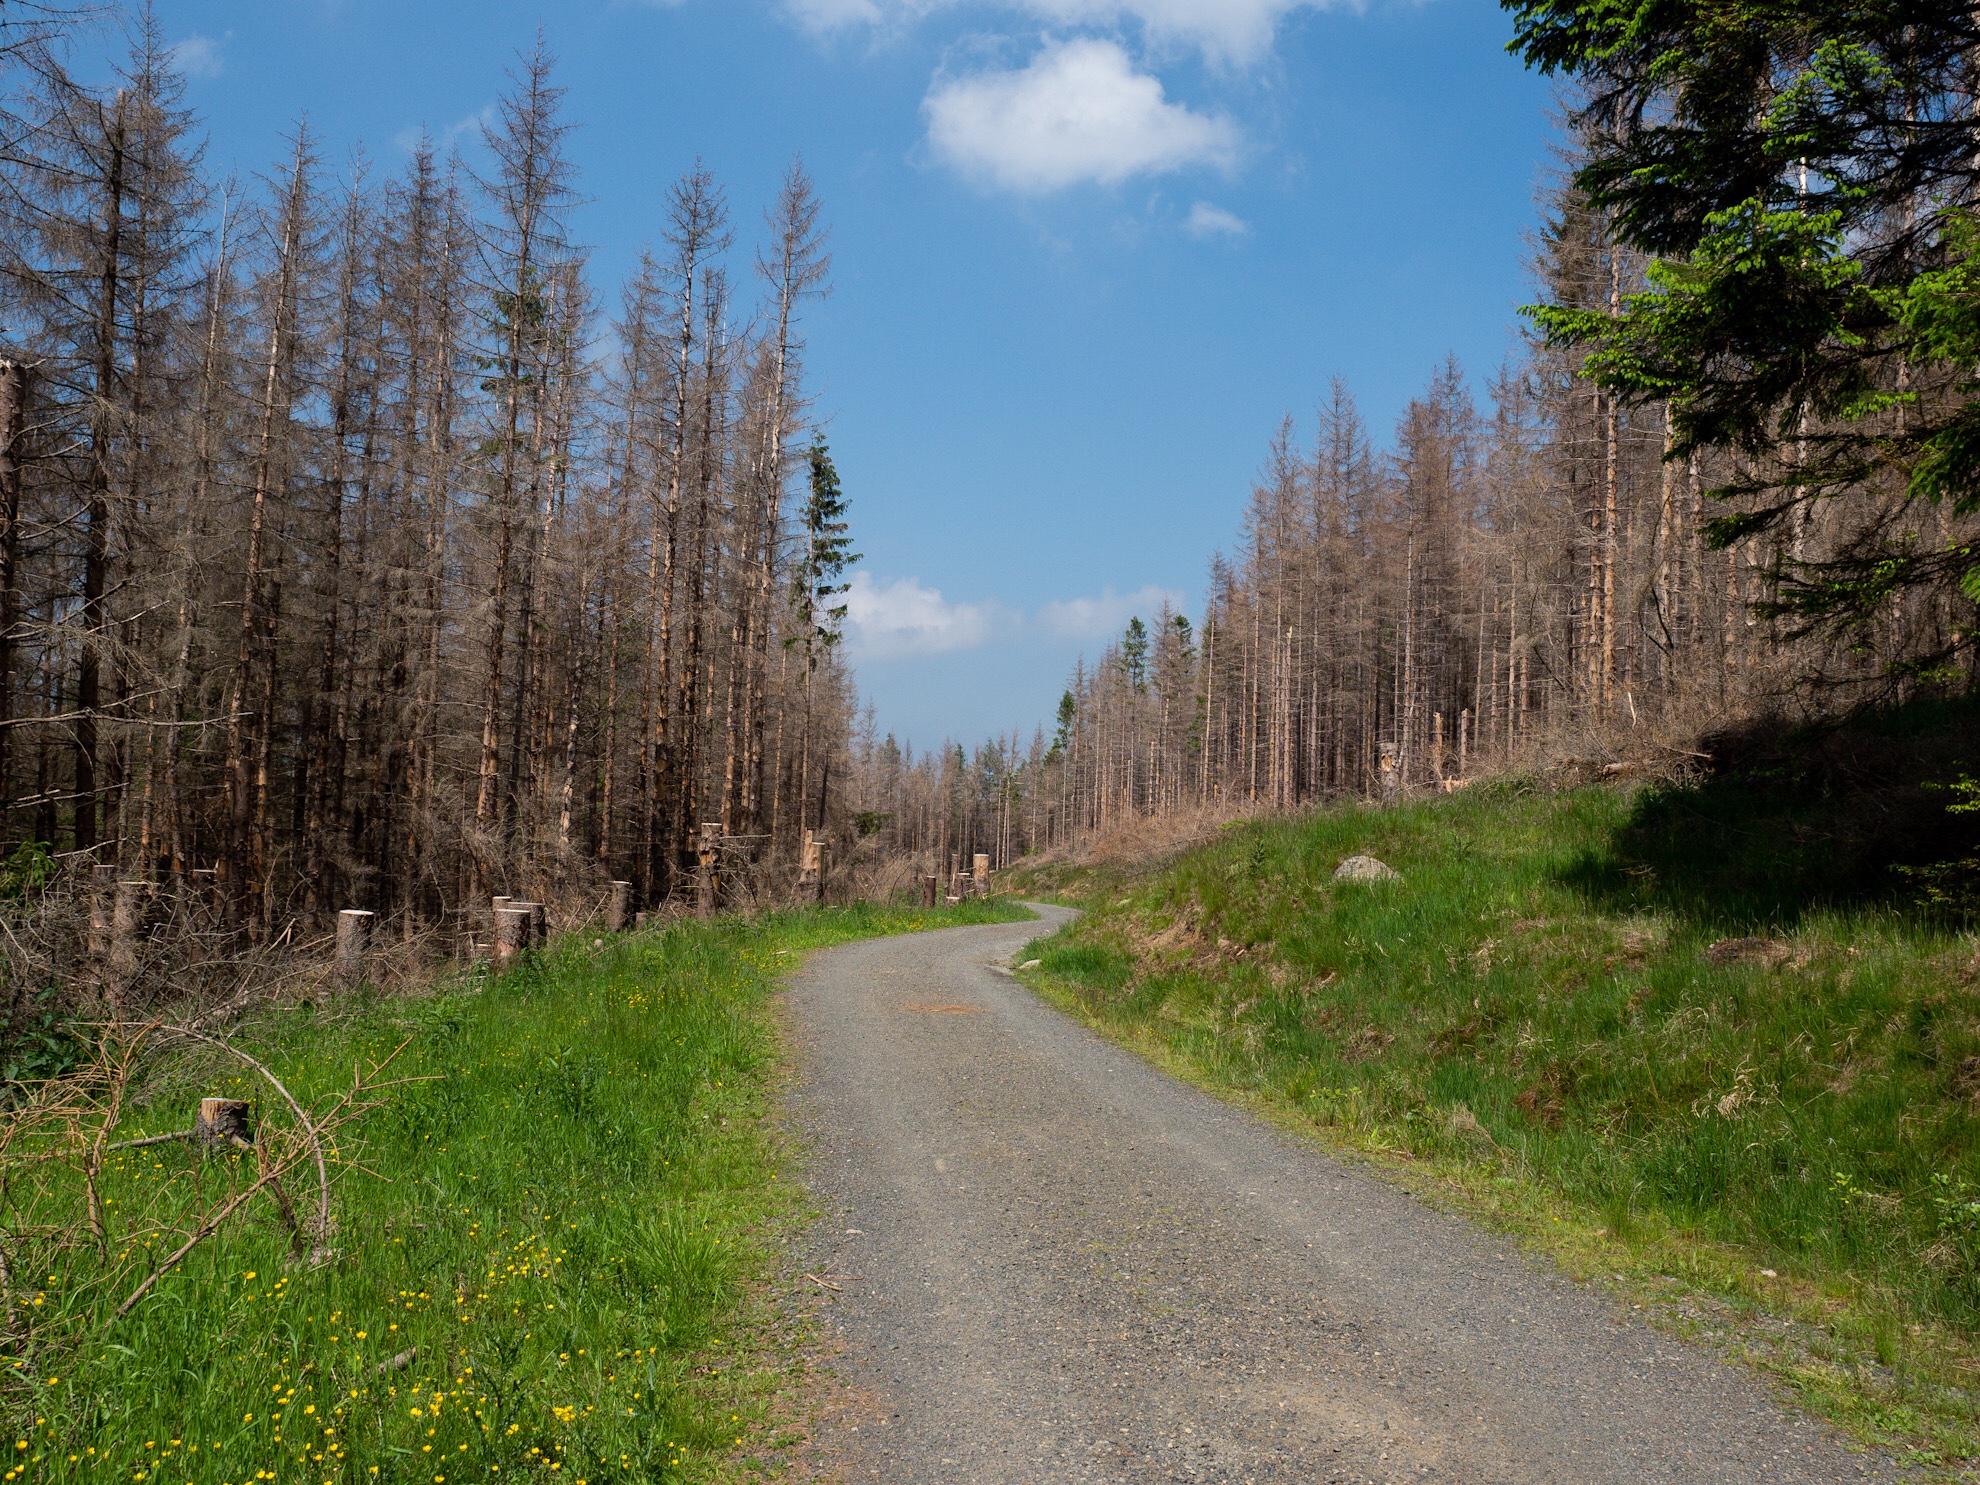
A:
(1775, 1144)
(564, 1227)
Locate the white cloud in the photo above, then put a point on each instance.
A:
(1206, 221)
(410, 139)
(833, 15)
(1106, 616)
(1234, 31)
(892, 620)
(1079, 112)
(897, 618)
(1225, 30)
(199, 56)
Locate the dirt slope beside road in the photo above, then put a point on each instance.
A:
(1058, 1264)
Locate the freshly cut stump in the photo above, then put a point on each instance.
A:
(223, 1121)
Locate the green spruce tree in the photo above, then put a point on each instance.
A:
(1805, 176)
(816, 582)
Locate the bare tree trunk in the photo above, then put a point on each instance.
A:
(608, 615)
(1611, 474)
(688, 701)
(245, 767)
(96, 549)
(16, 384)
(324, 753)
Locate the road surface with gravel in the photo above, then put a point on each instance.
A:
(1052, 1262)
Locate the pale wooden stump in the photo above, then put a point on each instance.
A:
(353, 944)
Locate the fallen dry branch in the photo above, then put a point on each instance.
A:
(349, 1105)
(303, 1122)
(69, 1122)
(213, 1223)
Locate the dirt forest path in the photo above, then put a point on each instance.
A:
(1056, 1263)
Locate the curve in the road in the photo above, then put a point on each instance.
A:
(1055, 1263)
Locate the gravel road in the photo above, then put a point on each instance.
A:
(1055, 1263)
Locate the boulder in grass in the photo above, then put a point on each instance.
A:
(1365, 869)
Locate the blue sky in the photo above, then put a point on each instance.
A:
(1087, 252)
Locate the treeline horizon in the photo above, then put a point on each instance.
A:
(357, 551)
(1499, 586)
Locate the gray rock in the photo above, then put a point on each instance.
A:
(1365, 869)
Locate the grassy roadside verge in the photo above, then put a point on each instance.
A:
(1772, 1144)
(545, 1252)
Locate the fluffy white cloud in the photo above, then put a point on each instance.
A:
(891, 620)
(1079, 112)
(1104, 618)
(1206, 221)
(898, 619)
(1227, 30)
(199, 56)
(1224, 30)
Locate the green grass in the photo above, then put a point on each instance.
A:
(1531, 1018)
(565, 1225)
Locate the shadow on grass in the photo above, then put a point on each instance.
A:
(1794, 821)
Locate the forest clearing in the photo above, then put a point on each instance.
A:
(442, 703)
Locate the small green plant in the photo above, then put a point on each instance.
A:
(1952, 887)
(36, 1041)
(1958, 1222)
(1619, 1217)
(29, 869)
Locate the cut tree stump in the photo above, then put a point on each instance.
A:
(811, 867)
(512, 931)
(618, 909)
(353, 944)
(223, 1121)
(707, 852)
(114, 911)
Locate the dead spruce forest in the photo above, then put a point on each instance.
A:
(357, 549)
(342, 565)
